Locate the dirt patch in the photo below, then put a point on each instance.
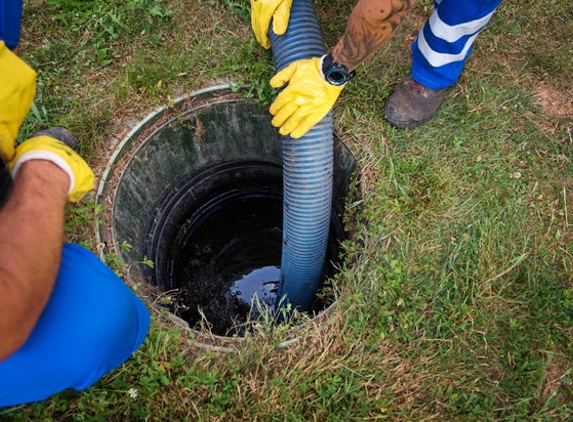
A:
(554, 102)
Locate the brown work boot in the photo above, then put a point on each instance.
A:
(411, 104)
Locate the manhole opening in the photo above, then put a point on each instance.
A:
(197, 188)
(216, 244)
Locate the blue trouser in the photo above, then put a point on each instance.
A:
(92, 323)
(10, 18)
(445, 42)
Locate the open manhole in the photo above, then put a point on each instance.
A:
(196, 188)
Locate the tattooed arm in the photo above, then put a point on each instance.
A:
(370, 25)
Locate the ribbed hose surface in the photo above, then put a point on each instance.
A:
(307, 174)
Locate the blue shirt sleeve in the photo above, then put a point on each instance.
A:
(10, 21)
(92, 323)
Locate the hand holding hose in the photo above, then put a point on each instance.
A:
(305, 101)
(265, 11)
(17, 91)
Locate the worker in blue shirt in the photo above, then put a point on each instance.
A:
(66, 319)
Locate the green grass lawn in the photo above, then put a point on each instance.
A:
(455, 297)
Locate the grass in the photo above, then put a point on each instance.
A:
(455, 298)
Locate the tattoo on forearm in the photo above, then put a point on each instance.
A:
(370, 25)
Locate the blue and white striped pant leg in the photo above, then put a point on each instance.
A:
(445, 42)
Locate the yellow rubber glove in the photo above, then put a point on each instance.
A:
(45, 147)
(305, 101)
(17, 91)
(262, 11)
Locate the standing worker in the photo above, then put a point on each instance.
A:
(438, 57)
(66, 319)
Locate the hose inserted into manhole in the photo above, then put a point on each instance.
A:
(307, 174)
